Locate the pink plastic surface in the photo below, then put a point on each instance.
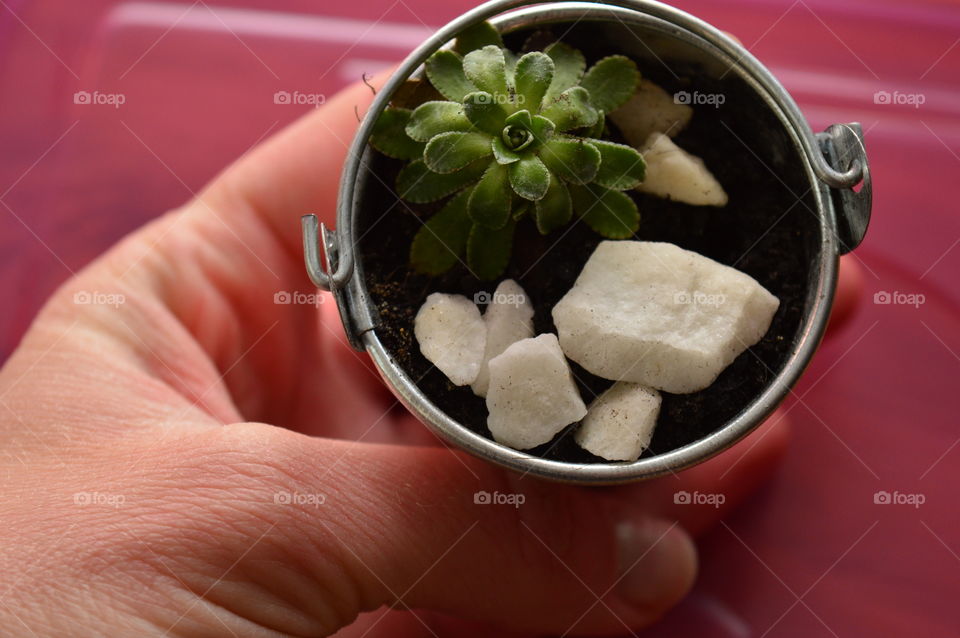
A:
(812, 554)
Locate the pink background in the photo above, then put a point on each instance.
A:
(811, 555)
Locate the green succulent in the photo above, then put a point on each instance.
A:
(515, 137)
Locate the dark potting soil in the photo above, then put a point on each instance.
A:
(764, 231)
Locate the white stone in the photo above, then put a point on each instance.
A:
(620, 422)
(532, 395)
(509, 318)
(650, 110)
(452, 336)
(656, 314)
(675, 174)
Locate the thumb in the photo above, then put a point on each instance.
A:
(357, 526)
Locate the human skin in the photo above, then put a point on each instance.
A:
(144, 446)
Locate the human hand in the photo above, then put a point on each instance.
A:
(165, 457)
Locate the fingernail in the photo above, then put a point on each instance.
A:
(657, 562)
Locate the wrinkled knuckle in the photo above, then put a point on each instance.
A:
(259, 470)
(248, 502)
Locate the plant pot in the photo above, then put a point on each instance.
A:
(793, 210)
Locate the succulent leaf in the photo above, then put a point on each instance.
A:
(621, 167)
(571, 109)
(517, 134)
(609, 212)
(520, 208)
(488, 250)
(445, 70)
(477, 37)
(418, 184)
(491, 199)
(483, 112)
(390, 137)
(598, 129)
(568, 65)
(449, 152)
(611, 82)
(573, 159)
(441, 241)
(517, 138)
(414, 92)
(542, 128)
(432, 118)
(555, 209)
(502, 154)
(533, 76)
(486, 68)
(510, 58)
(529, 177)
(520, 118)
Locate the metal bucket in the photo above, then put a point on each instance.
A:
(834, 162)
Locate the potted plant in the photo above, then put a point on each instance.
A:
(511, 137)
(515, 150)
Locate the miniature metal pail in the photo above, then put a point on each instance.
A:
(834, 162)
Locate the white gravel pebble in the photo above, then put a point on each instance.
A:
(620, 422)
(452, 336)
(650, 110)
(656, 314)
(675, 174)
(532, 395)
(509, 318)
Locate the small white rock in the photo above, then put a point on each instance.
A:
(620, 422)
(656, 314)
(675, 174)
(532, 395)
(650, 110)
(509, 318)
(452, 336)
